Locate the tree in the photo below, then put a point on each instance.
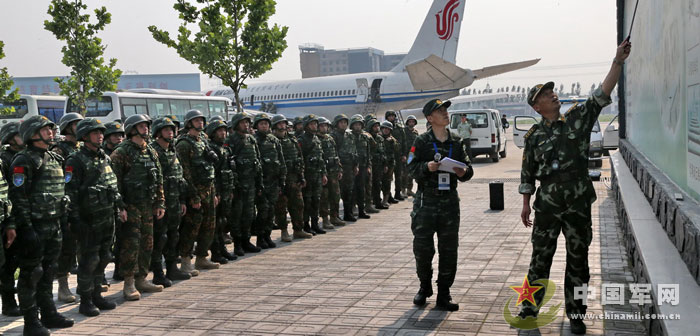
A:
(83, 52)
(6, 83)
(234, 41)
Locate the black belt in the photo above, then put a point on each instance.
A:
(436, 191)
(561, 177)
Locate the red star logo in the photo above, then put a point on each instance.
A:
(526, 291)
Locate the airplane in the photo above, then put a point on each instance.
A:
(427, 72)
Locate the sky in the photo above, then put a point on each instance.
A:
(574, 39)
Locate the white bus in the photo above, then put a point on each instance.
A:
(155, 103)
(30, 105)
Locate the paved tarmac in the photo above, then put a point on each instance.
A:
(360, 279)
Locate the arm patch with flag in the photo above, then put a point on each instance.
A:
(18, 176)
(411, 154)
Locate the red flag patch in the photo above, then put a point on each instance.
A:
(18, 170)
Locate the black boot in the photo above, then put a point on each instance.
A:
(577, 326)
(238, 246)
(269, 241)
(32, 325)
(307, 228)
(348, 217)
(117, 276)
(379, 206)
(398, 197)
(260, 242)
(392, 200)
(158, 275)
(444, 300)
(101, 303)
(315, 227)
(174, 273)
(425, 291)
(248, 247)
(87, 308)
(361, 214)
(218, 258)
(9, 305)
(52, 319)
(226, 254)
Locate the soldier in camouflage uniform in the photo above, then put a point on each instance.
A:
(199, 222)
(140, 183)
(298, 125)
(398, 132)
(364, 163)
(67, 259)
(9, 305)
(411, 135)
(347, 152)
(39, 204)
(245, 151)
(11, 145)
(314, 172)
(556, 154)
(166, 231)
(330, 195)
(379, 168)
(393, 154)
(291, 198)
(225, 168)
(436, 204)
(274, 176)
(92, 186)
(114, 135)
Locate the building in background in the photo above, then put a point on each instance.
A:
(316, 61)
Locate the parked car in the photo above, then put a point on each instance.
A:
(487, 137)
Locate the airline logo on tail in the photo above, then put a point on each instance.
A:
(445, 20)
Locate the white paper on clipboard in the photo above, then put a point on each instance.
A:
(446, 164)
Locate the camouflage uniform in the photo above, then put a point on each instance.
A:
(226, 180)
(564, 197)
(362, 142)
(291, 199)
(347, 152)
(112, 128)
(11, 254)
(393, 153)
(274, 176)
(330, 195)
(378, 155)
(411, 135)
(92, 186)
(399, 133)
(434, 210)
(314, 171)
(69, 246)
(38, 196)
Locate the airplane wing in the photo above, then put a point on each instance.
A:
(478, 97)
(434, 73)
(503, 68)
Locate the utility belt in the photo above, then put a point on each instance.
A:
(428, 191)
(561, 177)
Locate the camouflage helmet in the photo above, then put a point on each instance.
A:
(67, 119)
(113, 127)
(88, 125)
(32, 125)
(8, 131)
(324, 120)
(309, 118)
(134, 120)
(386, 124)
(192, 114)
(388, 113)
(160, 123)
(213, 126)
(278, 118)
(217, 117)
(260, 117)
(298, 120)
(175, 120)
(371, 123)
(357, 118)
(411, 117)
(370, 117)
(338, 118)
(237, 118)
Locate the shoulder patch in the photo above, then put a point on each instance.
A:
(18, 176)
(532, 130)
(69, 173)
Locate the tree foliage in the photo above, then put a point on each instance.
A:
(234, 41)
(83, 52)
(6, 83)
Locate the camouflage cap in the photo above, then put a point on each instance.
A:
(535, 91)
(435, 104)
(8, 131)
(113, 127)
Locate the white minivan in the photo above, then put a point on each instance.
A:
(488, 137)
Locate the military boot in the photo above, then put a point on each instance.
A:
(307, 229)
(300, 234)
(175, 273)
(425, 291)
(391, 200)
(285, 236)
(130, 292)
(145, 286)
(52, 319)
(336, 221)
(216, 255)
(186, 266)
(248, 247)
(348, 217)
(238, 247)
(202, 263)
(385, 202)
(64, 294)
(380, 206)
(260, 242)
(32, 325)
(577, 326)
(362, 214)
(269, 241)
(444, 300)
(327, 223)
(369, 208)
(117, 275)
(226, 254)
(398, 196)
(158, 275)
(87, 308)
(101, 303)
(9, 305)
(315, 228)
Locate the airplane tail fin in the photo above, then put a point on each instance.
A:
(439, 34)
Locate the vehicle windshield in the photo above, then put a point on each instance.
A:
(476, 119)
